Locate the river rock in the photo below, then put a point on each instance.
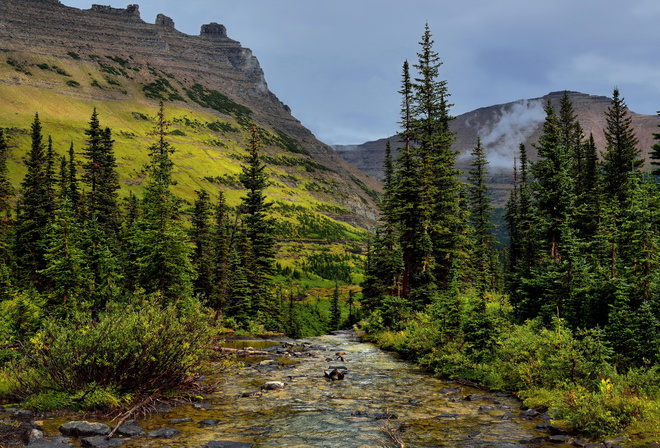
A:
(209, 422)
(611, 443)
(202, 406)
(227, 444)
(273, 385)
(177, 421)
(48, 444)
(22, 415)
(595, 445)
(101, 442)
(129, 428)
(552, 429)
(84, 429)
(385, 416)
(163, 433)
(558, 438)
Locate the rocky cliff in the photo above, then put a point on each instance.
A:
(112, 54)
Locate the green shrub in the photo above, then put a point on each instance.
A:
(130, 348)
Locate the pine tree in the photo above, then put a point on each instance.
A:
(163, 263)
(222, 252)
(203, 254)
(654, 155)
(6, 199)
(622, 155)
(34, 212)
(481, 218)
(259, 230)
(440, 207)
(407, 193)
(335, 310)
(100, 176)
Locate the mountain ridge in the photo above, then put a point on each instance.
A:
(502, 127)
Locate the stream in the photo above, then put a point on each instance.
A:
(379, 393)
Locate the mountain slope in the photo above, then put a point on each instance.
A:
(502, 128)
(63, 62)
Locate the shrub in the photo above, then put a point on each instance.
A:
(130, 348)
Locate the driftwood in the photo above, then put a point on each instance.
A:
(225, 351)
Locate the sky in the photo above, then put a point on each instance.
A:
(337, 63)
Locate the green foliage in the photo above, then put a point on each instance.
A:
(216, 100)
(129, 348)
(162, 89)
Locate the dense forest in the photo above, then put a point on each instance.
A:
(568, 313)
(108, 299)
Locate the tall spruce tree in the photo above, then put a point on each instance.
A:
(258, 228)
(622, 156)
(34, 214)
(654, 155)
(202, 239)
(480, 208)
(100, 176)
(440, 209)
(163, 263)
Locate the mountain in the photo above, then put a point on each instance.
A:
(62, 62)
(502, 128)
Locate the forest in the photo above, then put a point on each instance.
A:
(566, 314)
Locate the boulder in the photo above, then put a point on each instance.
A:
(273, 385)
(202, 406)
(84, 429)
(227, 444)
(100, 442)
(129, 428)
(163, 433)
(208, 422)
(176, 421)
(48, 444)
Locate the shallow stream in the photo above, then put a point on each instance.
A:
(314, 411)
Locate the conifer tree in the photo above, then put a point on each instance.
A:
(163, 262)
(481, 218)
(6, 199)
(622, 155)
(335, 310)
(201, 237)
(654, 155)
(258, 228)
(100, 176)
(34, 212)
(222, 252)
(440, 210)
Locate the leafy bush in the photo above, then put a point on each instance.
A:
(130, 348)
(533, 357)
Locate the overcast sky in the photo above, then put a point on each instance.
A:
(337, 63)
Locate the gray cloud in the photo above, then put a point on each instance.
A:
(338, 64)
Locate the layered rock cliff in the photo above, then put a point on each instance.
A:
(177, 67)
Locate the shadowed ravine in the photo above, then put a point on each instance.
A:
(313, 411)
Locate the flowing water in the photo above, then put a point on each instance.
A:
(379, 393)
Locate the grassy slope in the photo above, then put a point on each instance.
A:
(65, 91)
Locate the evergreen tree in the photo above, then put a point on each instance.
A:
(203, 253)
(221, 242)
(34, 212)
(654, 155)
(258, 228)
(481, 219)
(6, 200)
(622, 155)
(407, 193)
(163, 263)
(100, 176)
(66, 269)
(335, 310)
(440, 210)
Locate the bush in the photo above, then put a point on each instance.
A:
(129, 349)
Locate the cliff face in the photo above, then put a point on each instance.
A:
(502, 128)
(175, 62)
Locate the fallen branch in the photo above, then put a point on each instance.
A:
(239, 351)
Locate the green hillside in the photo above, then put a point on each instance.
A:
(208, 130)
